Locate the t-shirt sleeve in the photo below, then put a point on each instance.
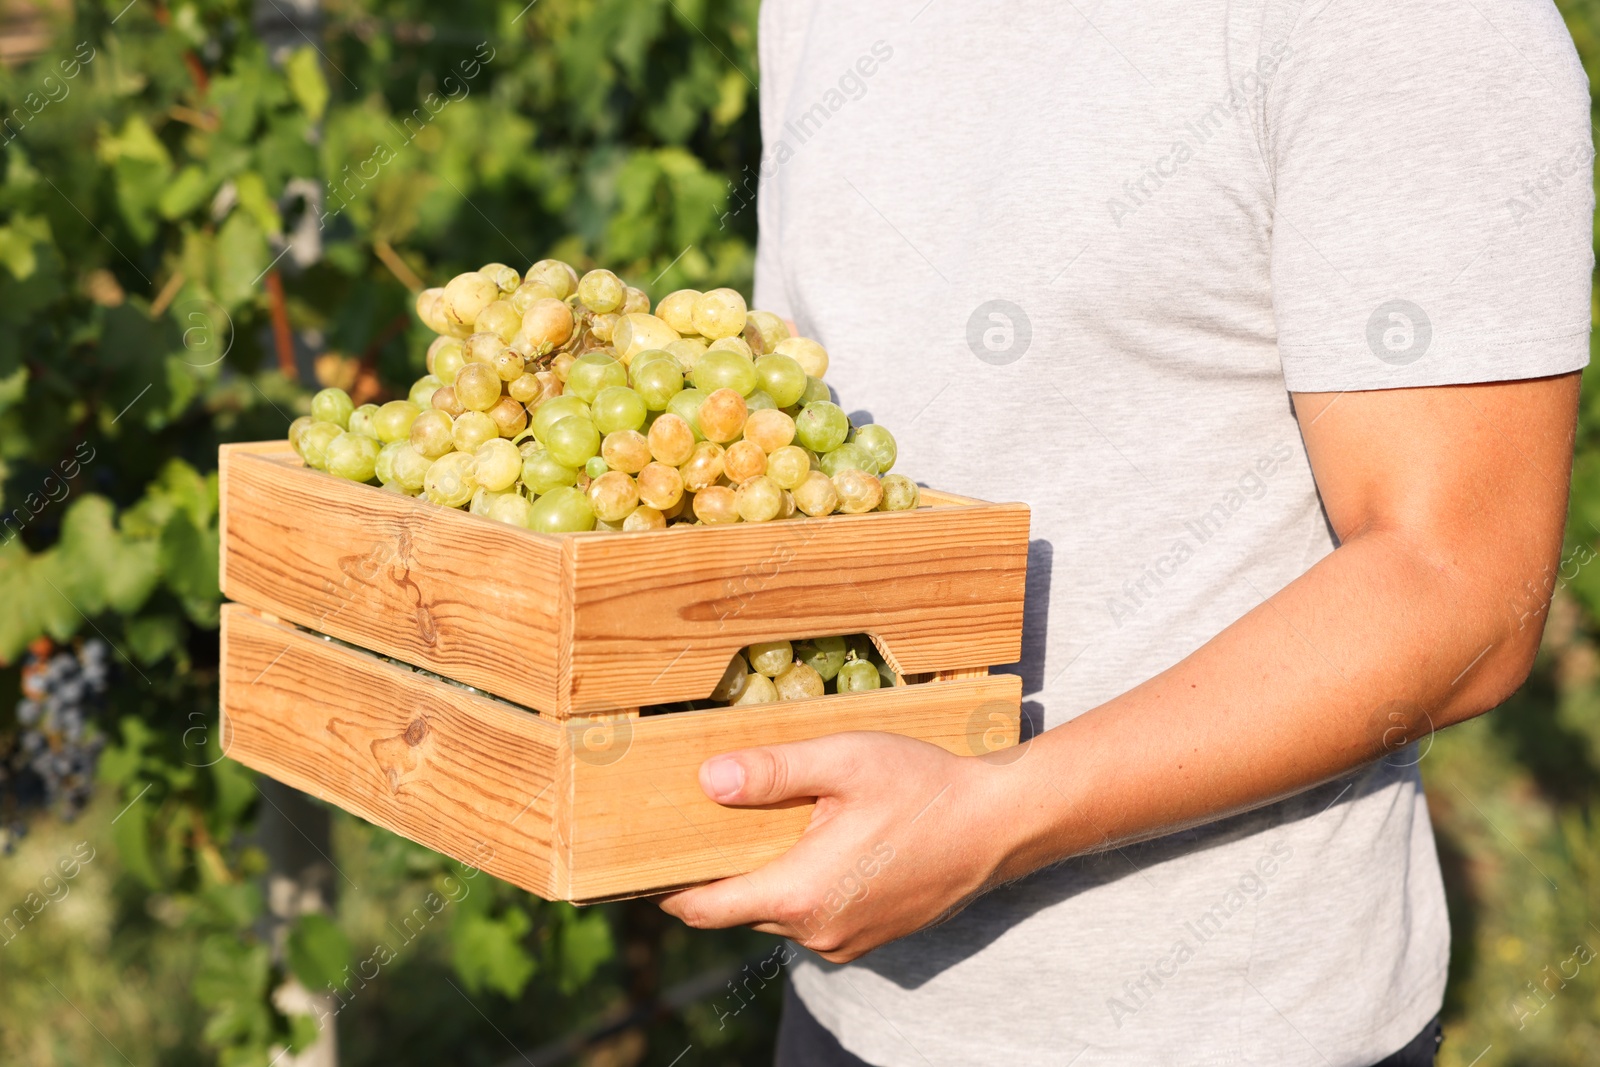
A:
(770, 293)
(1432, 172)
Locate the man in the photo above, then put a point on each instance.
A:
(1273, 311)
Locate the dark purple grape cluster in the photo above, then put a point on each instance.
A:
(63, 692)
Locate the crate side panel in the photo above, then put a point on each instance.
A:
(656, 617)
(461, 774)
(639, 821)
(470, 599)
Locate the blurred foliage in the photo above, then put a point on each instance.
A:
(174, 177)
(163, 171)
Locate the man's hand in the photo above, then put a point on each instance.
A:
(900, 839)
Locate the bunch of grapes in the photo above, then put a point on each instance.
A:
(559, 403)
(62, 693)
(794, 670)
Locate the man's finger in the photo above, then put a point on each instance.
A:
(773, 773)
(738, 901)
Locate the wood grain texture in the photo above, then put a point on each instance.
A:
(473, 600)
(583, 623)
(637, 821)
(656, 616)
(463, 774)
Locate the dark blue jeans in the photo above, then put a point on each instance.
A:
(802, 1042)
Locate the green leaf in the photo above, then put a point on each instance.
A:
(18, 240)
(585, 943)
(240, 259)
(185, 193)
(131, 834)
(306, 82)
(488, 952)
(253, 197)
(151, 638)
(317, 951)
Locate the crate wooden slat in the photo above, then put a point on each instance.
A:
(576, 810)
(577, 624)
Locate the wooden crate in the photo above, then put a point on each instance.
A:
(561, 787)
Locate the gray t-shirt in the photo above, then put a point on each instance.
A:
(1078, 254)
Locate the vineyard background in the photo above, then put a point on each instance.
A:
(165, 286)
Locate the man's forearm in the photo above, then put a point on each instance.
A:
(1374, 646)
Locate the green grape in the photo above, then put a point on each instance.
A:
(781, 378)
(677, 309)
(477, 387)
(789, 466)
(602, 292)
(858, 676)
(506, 278)
(722, 416)
(616, 407)
(596, 465)
(816, 389)
(298, 427)
(353, 456)
(732, 683)
(625, 450)
(763, 330)
(806, 352)
(465, 298)
(760, 401)
(742, 461)
(825, 655)
(732, 344)
(769, 428)
(496, 464)
(724, 370)
(719, 313)
(636, 302)
(821, 426)
(899, 493)
(564, 510)
(716, 505)
(770, 658)
(660, 486)
(704, 467)
(531, 290)
(432, 434)
(541, 473)
(816, 495)
(657, 381)
(687, 351)
(798, 682)
(572, 441)
(613, 496)
(648, 355)
(858, 491)
(393, 420)
(449, 480)
(846, 456)
(555, 273)
(593, 372)
(448, 348)
(333, 405)
(546, 325)
(878, 441)
(422, 391)
(472, 429)
(410, 468)
(686, 405)
(383, 468)
(500, 318)
(644, 517)
(671, 439)
(314, 441)
(553, 411)
(482, 499)
(758, 689)
(759, 499)
(361, 420)
(513, 509)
